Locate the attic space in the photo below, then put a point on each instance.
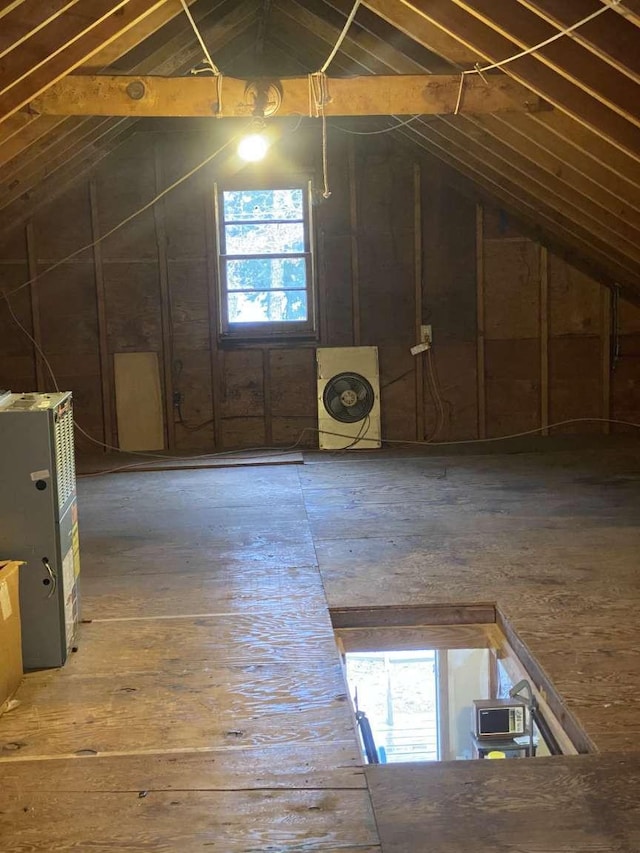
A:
(310, 311)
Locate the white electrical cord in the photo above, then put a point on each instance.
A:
(608, 4)
(341, 37)
(207, 55)
(128, 219)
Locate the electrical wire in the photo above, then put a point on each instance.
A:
(129, 218)
(608, 4)
(284, 451)
(376, 132)
(198, 35)
(36, 345)
(341, 37)
(208, 60)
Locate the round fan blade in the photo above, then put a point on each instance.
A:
(335, 406)
(340, 386)
(358, 411)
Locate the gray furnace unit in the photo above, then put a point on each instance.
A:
(39, 520)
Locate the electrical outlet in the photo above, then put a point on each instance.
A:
(426, 335)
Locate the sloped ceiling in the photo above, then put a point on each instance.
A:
(571, 172)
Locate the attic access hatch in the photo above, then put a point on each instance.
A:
(418, 691)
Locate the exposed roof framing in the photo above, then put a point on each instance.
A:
(572, 172)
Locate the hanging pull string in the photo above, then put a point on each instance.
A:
(609, 4)
(319, 96)
(207, 55)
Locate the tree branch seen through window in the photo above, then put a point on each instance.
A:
(265, 260)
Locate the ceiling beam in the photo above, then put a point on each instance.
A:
(357, 96)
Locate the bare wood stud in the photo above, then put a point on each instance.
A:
(606, 357)
(417, 271)
(106, 379)
(355, 267)
(165, 303)
(32, 260)
(480, 361)
(544, 340)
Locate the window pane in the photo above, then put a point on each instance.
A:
(267, 274)
(263, 204)
(268, 307)
(267, 239)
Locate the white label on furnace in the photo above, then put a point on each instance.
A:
(40, 475)
(5, 601)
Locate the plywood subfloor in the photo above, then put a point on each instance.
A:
(205, 707)
(568, 804)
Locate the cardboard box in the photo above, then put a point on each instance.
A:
(10, 633)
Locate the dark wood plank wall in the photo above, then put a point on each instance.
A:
(521, 338)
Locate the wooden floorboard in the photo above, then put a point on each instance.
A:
(569, 804)
(551, 539)
(205, 707)
(189, 821)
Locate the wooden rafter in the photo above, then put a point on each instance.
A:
(53, 168)
(488, 42)
(61, 45)
(605, 36)
(567, 56)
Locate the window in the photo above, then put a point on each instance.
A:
(265, 261)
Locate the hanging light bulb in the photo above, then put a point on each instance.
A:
(253, 147)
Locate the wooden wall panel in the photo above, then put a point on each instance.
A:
(385, 254)
(243, 384)
(575, 301)
(455, 366)
(449, 248)
(139, 401)
(334, 270)
(512, 386)
(397, 392)
(511, 280)
(385, 247)
(575, 382)
(17, 363)
(64, 227)
(243, 432)
(126, 182)
(133, 308)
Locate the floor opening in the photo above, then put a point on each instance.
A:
(444, 693)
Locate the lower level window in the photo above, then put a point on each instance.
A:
(265, 261)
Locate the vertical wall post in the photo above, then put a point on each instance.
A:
(106, 383)
(165, 302)
(212, 282)
(607, 296)
(355, 269)
(544, 340)
(417, 271)
(32, 260)
(481, 391)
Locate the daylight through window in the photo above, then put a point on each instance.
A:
(265, 260)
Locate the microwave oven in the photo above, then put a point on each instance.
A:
(499, 718)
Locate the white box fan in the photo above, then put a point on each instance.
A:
(348, 397)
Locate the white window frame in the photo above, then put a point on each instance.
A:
(267, 329)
